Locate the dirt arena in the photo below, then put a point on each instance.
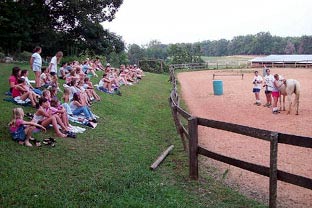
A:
(236, 106)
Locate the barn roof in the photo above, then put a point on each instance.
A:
(284, 58)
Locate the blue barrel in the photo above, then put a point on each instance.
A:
(217, 87)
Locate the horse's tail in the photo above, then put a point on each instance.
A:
(297, 90)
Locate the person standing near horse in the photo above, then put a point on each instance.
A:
(277, 84)
(268, 84)
(257, 81)
(264, 70)
(36, 64)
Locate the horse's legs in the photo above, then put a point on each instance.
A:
(284, 96)
(289, 103)
(297, 104)
(280, 100)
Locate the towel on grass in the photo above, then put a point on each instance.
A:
(20, 102)
(82, 120)
(75, 129)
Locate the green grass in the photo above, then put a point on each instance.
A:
(109, 166)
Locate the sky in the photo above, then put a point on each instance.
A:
(189, 21)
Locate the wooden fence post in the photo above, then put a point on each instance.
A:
(273, 170)
(178, 125)
(193, 147)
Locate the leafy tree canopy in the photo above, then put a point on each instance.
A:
(70, 25)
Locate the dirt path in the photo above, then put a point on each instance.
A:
(236, 106)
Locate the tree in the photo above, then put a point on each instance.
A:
(69, 25)
(135, 53)
(68, 15)
(23, 25)
(290, 48)
(184, 53)
(221, 47)
(241, 45)
(196, 51)
(156, 50)
(278, 45)
(305, 46)
(262, 43)
(178, 54)
(116, 59)
(206, 48)
(81, 21)
(236, 45)
(98, 40)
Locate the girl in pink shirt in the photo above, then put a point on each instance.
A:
(21, 130)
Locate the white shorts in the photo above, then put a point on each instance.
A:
(36, 68)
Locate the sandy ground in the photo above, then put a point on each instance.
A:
(236, 106)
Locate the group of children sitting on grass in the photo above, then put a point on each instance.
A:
(74, 104)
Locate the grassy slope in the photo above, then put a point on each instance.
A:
(108, 166)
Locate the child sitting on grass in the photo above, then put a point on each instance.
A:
(21, 93)
(105, 85)
(89, 88)
(45, 117)
(58, 109)
(78, 106)
(24, 75)
(45, 78)
(21, 130)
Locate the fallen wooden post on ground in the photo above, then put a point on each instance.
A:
(161, 158)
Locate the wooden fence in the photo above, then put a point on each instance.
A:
(212, 65)
(190, 134)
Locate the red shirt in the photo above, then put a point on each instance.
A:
(16, 92)
(12, 79)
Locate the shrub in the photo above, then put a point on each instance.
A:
(24, 56)
(1, 56)
(153, 66)
(69, 59)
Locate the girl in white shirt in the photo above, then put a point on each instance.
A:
(36, 64)
(54, 61)
(257, 81)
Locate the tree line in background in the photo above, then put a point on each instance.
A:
(262, 43)
(74, 27)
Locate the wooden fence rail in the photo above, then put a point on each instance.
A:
(236, 74)
(212, 65)
(191, 133)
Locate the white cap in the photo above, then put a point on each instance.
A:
(108, 64)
